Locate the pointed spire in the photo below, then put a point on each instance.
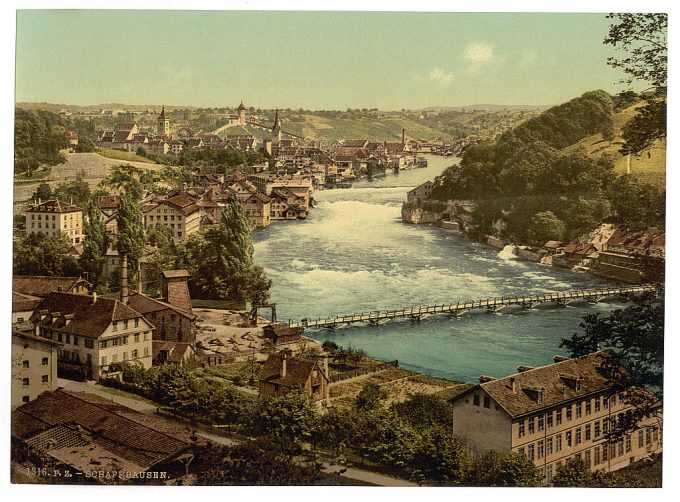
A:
(162, 115)
(276, 119)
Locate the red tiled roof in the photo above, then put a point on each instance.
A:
(298, 371)
(41, 286)
(53, 206)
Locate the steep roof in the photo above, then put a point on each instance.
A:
(40, 285)
(24, 303)
(298, 371)
(88, 432)
(88, 319)
(144, 304)
(650, 239)
(555, 381)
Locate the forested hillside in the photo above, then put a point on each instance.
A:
(541, 192)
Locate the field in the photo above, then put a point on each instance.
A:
(650, 165)
(94, 166)
(110, 153)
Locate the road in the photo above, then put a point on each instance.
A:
(150, 409)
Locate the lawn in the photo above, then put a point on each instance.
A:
(110, 153)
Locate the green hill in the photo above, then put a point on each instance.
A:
(649, 165)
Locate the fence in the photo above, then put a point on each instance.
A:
(364, 371)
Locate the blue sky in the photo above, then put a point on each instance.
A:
(314, 60)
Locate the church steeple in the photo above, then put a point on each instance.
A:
(163, 124)
(276, 130)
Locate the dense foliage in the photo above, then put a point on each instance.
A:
(38, 254)
(38, 137)
(95, 243)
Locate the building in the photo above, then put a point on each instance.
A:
(553, 414)
(241, 114)
(163, 125)
(179, 213)
(628, 254)
(55, 217)
(100, 441)
(281, 334)
(34, 366)
(419, 193)
(41, 285)
(23, 306)
(95, 332)
(257, 209)
(281, 374)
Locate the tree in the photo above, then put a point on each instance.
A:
(424, 410)
(643, 39)
(608, 134)
(633, 338)
(39, 254)
(289, 419)
(370, 397)
(441, 458)
(496, 469)
(576, 474)
(544, 227)
(130, 238)
(84, 145)
(95, 243)
(76, 191)
(43, 192)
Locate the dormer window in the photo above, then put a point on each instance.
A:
(572, 381)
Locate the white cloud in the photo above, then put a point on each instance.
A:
(528, 58)
(479, 52)
(441, 76)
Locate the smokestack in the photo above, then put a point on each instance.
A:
(124, 296)
(283, 365)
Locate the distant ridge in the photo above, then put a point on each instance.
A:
(485, 107)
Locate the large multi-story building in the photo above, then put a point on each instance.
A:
(553, 414)
(94, 331)
(180, 214)
(34, 366)
(55, 217)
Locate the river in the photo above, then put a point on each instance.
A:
(353, 254)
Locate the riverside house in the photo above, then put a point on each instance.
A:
(281, 374)
(553, 414)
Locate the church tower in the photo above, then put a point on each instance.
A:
(163, 124)
(241, 114)
(276, 130)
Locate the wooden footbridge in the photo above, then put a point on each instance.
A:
(490, 305)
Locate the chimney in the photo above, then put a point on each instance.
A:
(124, 296)
(559, 359)
(513, 384)
(484, 378)
(283, 365)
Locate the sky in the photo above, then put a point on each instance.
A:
(313, 60)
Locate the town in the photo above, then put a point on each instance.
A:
(184, 280)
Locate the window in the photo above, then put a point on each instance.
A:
(648, 436)
(597, 455)
(136, 337)
(586, 458)
(568, 437)
(45, 379)
(605, 452)
(588, 432)
(115, 326)
(612, 453)
(75, 340)
(475, 399)
(89, 344)
(588, 408)
(530, 452)
(620, 445)
(641, 438)
(25, 399)
(540, 449)
(146, 351)
(103, 344)
(569, 413)
(124, 340)
(68, 339)
(628, 443)
(531, 425)
(136, 322)
(103, 360)
(487, 401)
(597, 404)
(579, 408)
(45, 361)
(655, 433)
(613, 400)
(115, 342)
(605, 426)
(134, 353)
(550, 420)
(558, 417)
(549, 446)
(521, 429)
(578, 436)
(558, 443)
(25, 364)
(540, 423)
(605, 401)
(26, 382)
(125, 324)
